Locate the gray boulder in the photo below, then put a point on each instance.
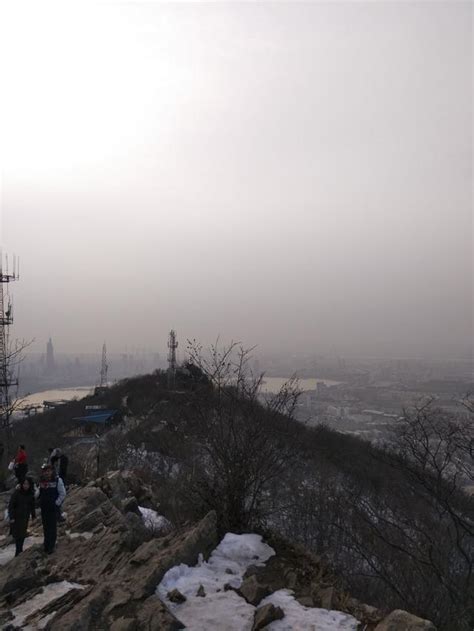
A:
(265, 615)
(400, 620)
(253, 591)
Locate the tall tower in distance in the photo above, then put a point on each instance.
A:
(50, 363)
(172, 346)
(8, 378)
(104, 368)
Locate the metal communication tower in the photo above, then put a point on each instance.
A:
(104, 368)
(172, 346)
(7, 364)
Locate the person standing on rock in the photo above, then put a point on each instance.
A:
(20, 507)
(63, 462)
(51, 496)
(59, 461)
(53, 459)
(21, 464)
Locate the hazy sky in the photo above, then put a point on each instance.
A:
(293, 175)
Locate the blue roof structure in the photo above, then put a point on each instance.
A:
(98, 417)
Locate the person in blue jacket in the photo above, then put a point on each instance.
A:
(51, 496)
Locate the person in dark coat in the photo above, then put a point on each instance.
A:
(20, 507)
(51, 496)
(53, 459)
(63, 464)
(21, 464)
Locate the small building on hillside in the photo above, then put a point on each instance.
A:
(95, 421)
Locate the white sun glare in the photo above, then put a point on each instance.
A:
(79, 85)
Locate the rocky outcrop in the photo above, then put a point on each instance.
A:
(314, 585)
(310, 579)
(253, 590)
(266, 615)
(176, 596)
(125, 485)
(87, 508)
(400, 620)
(115, 566)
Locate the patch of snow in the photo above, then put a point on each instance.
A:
(41, 624)
(76, 535)
(152, 520)
(227, 564)
(48, 594)
(8, 552)
(307, 618)
(243, 550)
(220, 609)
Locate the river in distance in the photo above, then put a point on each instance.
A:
(273, 384)
(59, 394)
(269, 385)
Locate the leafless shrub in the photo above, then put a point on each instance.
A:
(243, 443)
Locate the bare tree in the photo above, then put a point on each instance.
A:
(245, 443)
(10, 402)
(417, 536)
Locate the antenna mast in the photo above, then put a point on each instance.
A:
(7, 377)
(172, 346)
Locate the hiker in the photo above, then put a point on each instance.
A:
(63, 464)
(20, 464)
(53, 459)
(51, 496)
(59, 463)
(20, 507)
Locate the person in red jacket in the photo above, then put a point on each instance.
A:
(21, 464)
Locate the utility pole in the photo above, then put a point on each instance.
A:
(172, 346)
(7, 357)
(102, 387)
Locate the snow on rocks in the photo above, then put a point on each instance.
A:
(227, 564)
(307, 618)
(223, 608)
(8, 552)
(219, 609)
(154, 522)
(47, 595)
(75, 535)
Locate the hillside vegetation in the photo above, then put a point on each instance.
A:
(397, 527)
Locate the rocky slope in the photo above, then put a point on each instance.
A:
(108, 565)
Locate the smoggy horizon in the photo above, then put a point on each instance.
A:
(292, 175)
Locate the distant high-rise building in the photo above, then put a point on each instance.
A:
(172, 345)
(50, 363)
